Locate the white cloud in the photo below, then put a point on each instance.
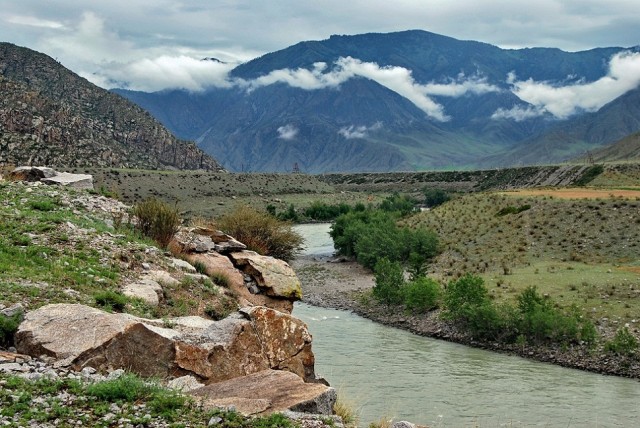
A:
(33, 21)
(397, 79)
(350, 132)
(563, 101)
(287, 132)
(518, 113)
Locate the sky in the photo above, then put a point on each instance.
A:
(156, 44)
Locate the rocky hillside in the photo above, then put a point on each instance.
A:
(51, 116)
(92, 298)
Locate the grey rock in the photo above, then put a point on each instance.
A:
(182, 265)
(76, 181)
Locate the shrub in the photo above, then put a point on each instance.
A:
(422, 294)
(435, 197)
(464, 294)
(110, 300)
(389, 281)
(372, 235)
(623, 343)
(321, 211)
(399, 203)
(156, 220)
(513, 210)
(8, 328)
(261, 232)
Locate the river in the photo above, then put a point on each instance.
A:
(387, 372)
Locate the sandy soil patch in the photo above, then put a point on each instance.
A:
(577, 193)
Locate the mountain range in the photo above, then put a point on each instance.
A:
(410, 100)
(51, 116)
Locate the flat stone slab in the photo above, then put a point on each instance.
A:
(268, 391)
(77, 181)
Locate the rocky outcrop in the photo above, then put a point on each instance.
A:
(246, 342)
(257, 280)
(273, 275)
(267, 392)
(50, 176)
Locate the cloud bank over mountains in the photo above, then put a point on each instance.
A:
(563, 101)
(131, 64)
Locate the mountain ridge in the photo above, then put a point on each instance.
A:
(51, 116)
(328, 121)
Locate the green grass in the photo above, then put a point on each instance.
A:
(102, 404)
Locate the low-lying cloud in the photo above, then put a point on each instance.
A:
(362, 131)
(562, 101)
(287, 132)
(395, 78)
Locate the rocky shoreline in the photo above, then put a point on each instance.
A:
(344, 285)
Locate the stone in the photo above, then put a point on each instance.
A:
(13, 310)
(217, 264)
(255, 339)
(182, 265)
(146, 289)
(79, 336)
(185, 383)
(403, 424)
(286, 341)
(274, 275)
(267, 392)
(31, 173)
(162, 277)
(76, 181)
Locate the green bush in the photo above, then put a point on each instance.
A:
(321, 211)
(8, 328)
(462, 295)
(156, 220)
(513, 210)
(261, 232)
(422, 294)
(397, 203)
(389, 282)
(435, 197)
(623, 343)
(373, 234)
(110, 300)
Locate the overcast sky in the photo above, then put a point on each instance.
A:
(152, 44)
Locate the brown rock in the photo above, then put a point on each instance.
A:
(246, 342)
(274, 275)
(228, 349)
(267, 392)
(286, 341)
(218, 264)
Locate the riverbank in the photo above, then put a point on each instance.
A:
(342, 284)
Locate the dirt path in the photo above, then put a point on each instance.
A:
(577, 193)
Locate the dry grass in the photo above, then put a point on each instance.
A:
(579, 251)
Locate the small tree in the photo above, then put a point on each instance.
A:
(389, 281)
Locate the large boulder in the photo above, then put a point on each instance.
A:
(274, 275)
(246, 342)
(267, 392)
(31, 173)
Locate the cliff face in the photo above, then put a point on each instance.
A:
(49, 115)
